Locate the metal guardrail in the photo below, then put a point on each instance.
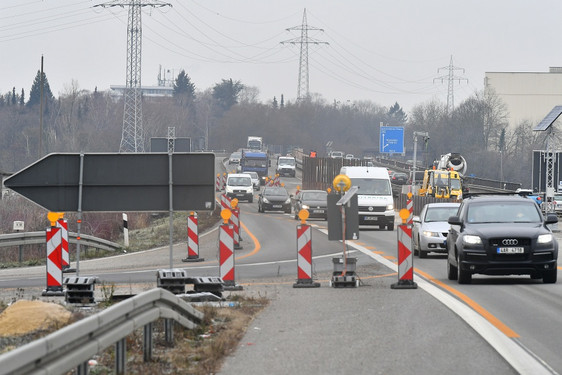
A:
(72, 346)
(32, 238)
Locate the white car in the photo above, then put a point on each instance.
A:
(255, 179)
(431, 228)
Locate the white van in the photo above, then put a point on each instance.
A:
(239, 186)
(374, 197)
(286, 165)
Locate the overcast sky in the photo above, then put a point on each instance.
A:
(384, 51)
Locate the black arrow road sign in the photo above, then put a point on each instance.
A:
(119, 182)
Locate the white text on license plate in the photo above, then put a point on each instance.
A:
(277, 206)
(371, 218)
(510, 250)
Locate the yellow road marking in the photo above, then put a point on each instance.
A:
(475, 306)
(257, 245)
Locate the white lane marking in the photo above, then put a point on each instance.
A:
(518, 356)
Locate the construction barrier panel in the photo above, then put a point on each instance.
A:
(173, 280)
(54, 262)
(80, 289)
(218, 183)
(304, 258)
(63, 225)
(405, 259)
(225, 201)
(235, 221)
(226, 257)
(192, 239)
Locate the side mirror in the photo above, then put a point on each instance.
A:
(416, 219)
(454, 220)
(551, 219)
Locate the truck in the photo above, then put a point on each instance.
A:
(255, 161)
(255, 143)
(441, 183)
(374, 198)
(286, 166)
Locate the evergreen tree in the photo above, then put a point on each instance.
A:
(396, 115)
(22, 98)
(282, 105)
(275, 104)
(226, 93)
(35, 92)
(14, 99)
(184, 89)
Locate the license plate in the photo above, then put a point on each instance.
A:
(317, 211)
(510, 250)
(371, 218)
(277, 206)
(240, 195)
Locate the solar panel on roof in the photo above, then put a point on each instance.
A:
(549, 119)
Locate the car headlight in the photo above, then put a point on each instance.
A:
(427, 233)
(305, 206)
(471, 240)
(288, 201)
(389, 207)
(265, 200)
(544, 238)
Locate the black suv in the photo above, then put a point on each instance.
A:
(501, 235)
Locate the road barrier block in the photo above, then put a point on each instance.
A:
(80, 289)
(173, 280)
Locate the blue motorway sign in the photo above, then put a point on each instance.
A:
(391, 140)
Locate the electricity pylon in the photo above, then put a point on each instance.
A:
(132, 139)
(304, 41)
(450, 79)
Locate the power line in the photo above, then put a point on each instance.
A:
(304, 41)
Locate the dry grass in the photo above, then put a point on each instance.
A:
(195, 352)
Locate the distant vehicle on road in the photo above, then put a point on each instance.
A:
(255, 179)
(398, 178)
(274, 198)
(234, 158)
(431, 228)
(315, 201)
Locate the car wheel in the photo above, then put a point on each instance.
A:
(549, 277)
(251, 199)
(451, 271)
(423, 254)
(390, 227)
(463, 276)
(288, 211)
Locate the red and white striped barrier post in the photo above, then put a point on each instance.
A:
(405, 256)
(304, 254)
(410, 207)
(235, 220)
(226, 253)
(225, 202)
(218, 182)
(54, 258)
(63, 225)
(192, 239)
(223, 180)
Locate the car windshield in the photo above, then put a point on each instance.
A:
(254, 175)
(286, 161)
(504, 212)
(239, 181)
(255, 163)
(315, 196)
(374, 186)
(275, 191)
(439, 213)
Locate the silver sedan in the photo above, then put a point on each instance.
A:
(431, 228)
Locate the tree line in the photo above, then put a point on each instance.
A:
(91, 121)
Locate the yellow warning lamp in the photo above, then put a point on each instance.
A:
(225, 214)
(53, 217)
(329, 190)
(218, 174)
(341, 183)
(409, 195)
(298, 187)
(282, 184)
(404, 215)
(303, 215)
(234, 203)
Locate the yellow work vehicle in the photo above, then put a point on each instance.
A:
(440, 183)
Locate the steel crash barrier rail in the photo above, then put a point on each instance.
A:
(72, 346)
(32, 238)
